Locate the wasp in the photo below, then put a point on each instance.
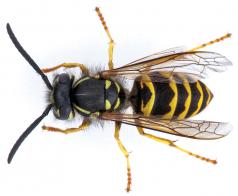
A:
(167, 90)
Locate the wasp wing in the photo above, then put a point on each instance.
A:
(196, 129)
(195, 64)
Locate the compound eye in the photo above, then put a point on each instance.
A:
(64, 79)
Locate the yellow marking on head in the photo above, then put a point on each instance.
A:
(81, 109)
(108, 105)
(57, 112)
(81, 80)
(118, 87)
(71, 116)
(108, 84)
(173, 103)
(117, 103)
(188, 100)
(149, 105)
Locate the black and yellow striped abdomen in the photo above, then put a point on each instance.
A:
(169, 99)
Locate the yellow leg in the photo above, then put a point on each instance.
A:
(111, 43)
(126, 154)
(84, 125)
(171, 143)
(228, 35)
(68, 65)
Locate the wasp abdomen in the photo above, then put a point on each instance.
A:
(170, 99)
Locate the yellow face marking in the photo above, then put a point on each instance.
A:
(108, 84)
(108, 105)
(117, 103)
(81, 109)
(149, 105)
(77, 83)
(200, 99)
(57, 113)
(173, 102)
(71, 115)
(118, 87)
(188, 100)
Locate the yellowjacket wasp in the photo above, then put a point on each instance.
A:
(167, 91)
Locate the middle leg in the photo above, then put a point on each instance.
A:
(126, 154)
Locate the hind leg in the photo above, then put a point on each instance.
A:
(228, 35)
(172, 144)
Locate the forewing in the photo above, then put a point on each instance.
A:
(197, 129)
(196, 65)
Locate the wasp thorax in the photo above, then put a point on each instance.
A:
(62, 106)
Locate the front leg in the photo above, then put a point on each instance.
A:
(85, 124)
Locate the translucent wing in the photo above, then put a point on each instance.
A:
(160, 54)
(197, 129)
(196, 65)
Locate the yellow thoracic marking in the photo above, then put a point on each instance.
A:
(200, 99)
(188, 100)
(108, 84)
(108, 105)
(117, 103)
(209, 96)
(174, 100)
(118, 87)
(149, 105)
(81, 80)
(81, 109)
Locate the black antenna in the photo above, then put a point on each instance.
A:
(27, 57)
(27, 132)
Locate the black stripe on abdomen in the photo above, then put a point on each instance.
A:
(163, 97)
(182, 97)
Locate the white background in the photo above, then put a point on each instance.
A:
(90, 163)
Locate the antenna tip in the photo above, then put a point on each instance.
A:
(8, 26)
(9, 159)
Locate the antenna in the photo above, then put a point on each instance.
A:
(27, 57)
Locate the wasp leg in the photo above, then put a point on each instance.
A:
(85, 124)
(171, 143)
(228, 35)
(83, 68)
(126, 154)
(111, 43)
